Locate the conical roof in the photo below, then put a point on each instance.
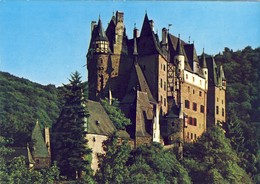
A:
(179, 48)
(101, 36)
(40, 149)
(203, 60)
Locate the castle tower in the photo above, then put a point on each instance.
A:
(204, 68)
(120, 46)
(216, 94)
(179, 57)
(97, 62)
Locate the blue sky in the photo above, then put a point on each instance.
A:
(46, 41)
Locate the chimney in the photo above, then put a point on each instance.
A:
(47, 139)
(164, 37)
(119, 17)
(136, 33)
(93, 24)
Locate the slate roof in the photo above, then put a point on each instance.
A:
(148, 35)
(137, 80)
(143, 113)
(173, 42)
(203, 63)
(99, 123)
(101, 36)
(39, 146)
(212, 72)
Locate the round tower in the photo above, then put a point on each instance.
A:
(204, 67)
(179, 57)
(97, 67)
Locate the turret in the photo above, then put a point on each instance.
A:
(97, 62)
(179, 57)
(101, 44)
(204, 67)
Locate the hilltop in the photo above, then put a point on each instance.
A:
(22, 102)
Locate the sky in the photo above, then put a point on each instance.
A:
(46, 41)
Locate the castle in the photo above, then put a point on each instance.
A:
(168, 91)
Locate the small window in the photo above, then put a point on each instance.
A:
(164, 68)
(223, 112)
(190, 120)
(195, 136)
(164, 101)
(193, 91)
(188, 135)
(161, 83)
(202, 108)
(194, 106)
(193, 79)
(191, 135)
(195, 121)
(187, 76)
(217, 99)
(164, 86)
(161, 99)
(217, 110)
(188, 88)
(200, 93)
(187, 104)
(222, 101)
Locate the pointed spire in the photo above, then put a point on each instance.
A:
(203, 63)
(101, 34)
(179, 47)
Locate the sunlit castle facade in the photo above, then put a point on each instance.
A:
(171, 94)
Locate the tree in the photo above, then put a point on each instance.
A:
(112, 164)
(70, 144)
(115, 114)
(153, 164)
(212, 160)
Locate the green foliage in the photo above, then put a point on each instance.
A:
(69, 143)
(212, 160)
(21, 103)
(112, 165)
(115, 114)
(242, 71)
(153, 164)
(146, 164)
(15, 171)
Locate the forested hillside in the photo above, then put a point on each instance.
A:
(22, 102)
(242, 71)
